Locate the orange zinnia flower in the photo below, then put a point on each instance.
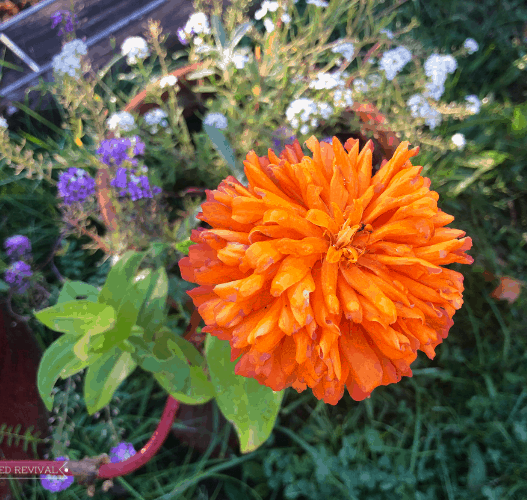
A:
(320, 275)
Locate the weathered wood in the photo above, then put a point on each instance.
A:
(95, 17)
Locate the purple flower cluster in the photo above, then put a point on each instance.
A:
(282, 136)
(118, 150)
(75, 185)
(17, 275)
(18, 247)
(56, 483)
(63, 15)
(136, 186)
(121, 452)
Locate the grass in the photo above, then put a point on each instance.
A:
(458, 428)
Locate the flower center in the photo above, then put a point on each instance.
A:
(349, 243)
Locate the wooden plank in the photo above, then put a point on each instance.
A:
(94, 20)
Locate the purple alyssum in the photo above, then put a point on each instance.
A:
(117, 150)
(17, 275)
(18, 247)
(56, 483)
(128, 183)
(123, 451)
(63, 15)
(75, 185)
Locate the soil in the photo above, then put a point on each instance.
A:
(10, 8)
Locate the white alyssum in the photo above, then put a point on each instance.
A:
(434, 90)
(438, 66)
(216, 120)
(286, 18)
(197, 23)
(388, 33)
(3, 122)
(168, 81)
(342, 98)
(120, 121)
(266, 7)
(346, 49)
(68, 61)
(394, 60)
(474, 103)
(269, 25)
(134, 48)
(11, 110)
(359, 85)
(471, 45)
(302, 111)
(318, 3)
(459, 141)
(419, 108)
(156, 117)
(327, 81)
(240, 59)
(374, 80)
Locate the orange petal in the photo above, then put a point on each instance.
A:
(329, 276)
(350, 303)
(292, 270)
(268, 322)
(247, 210)
(289, 220)
(262, 254)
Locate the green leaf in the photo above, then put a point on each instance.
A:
(153, 311)
(221, 144)
(219, 31)
(191, 353)
(73, 290)
(251, 407)
(127, 314)
(198, 389)
(239, 33)
(104, 377)
(78, 317)
(56, 358)
(183, 246)
(119, 277)
(519, 120)
(477, 471)
(4, 287)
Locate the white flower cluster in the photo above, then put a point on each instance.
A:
(459, 141)
(318, 3)
(134, 48)
(388, 33)
(303, 111)
(419, 108)
(216, 120)
(475, 103)
(197, 24)
(342, 96)
(359, 85)
(346, 49)
(3, 122)
(68, 61)
(154, 118)
(394, 60)
(471, 45)
(120, 121)
(167, 81)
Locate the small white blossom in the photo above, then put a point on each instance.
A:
(3, 122)
(318, 3)
(121, 121)
(198, 41)
(11, 110)
(346, 49)
(304, 110)
(266, 6)
(459, 141)
(437, 66)
(325, 110)
(388, 33)
(216, 120)
(286, 18)
(168, 81)
(359, 85)
(342, 98)
(269, 26)
(77, 47)
(327, 81)
(475, 103)
(154, 118)
(197, 23)
(394, 60)
(433, 118)
(304, 129)
(134, 48)
(374, 80)
(471, 45)
(434, 90)
(240, 59)
(66, 63)
(419, 108)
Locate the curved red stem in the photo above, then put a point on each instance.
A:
(106, 471)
